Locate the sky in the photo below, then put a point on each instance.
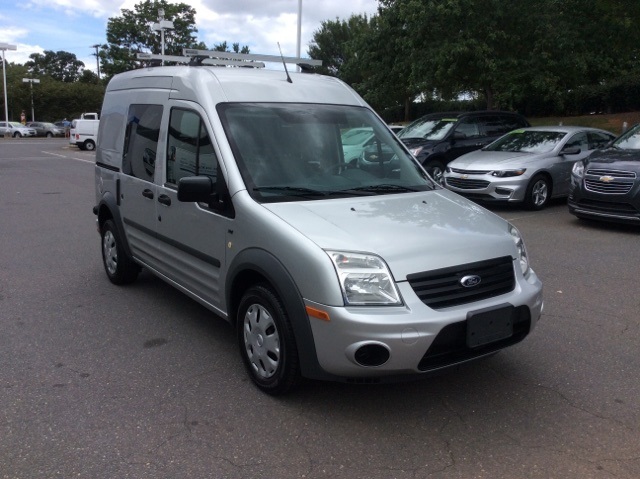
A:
(34, 26)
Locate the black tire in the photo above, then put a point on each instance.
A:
(89, 145)
(266, 340)
(17, 134)
(538, 193)
(436, 170)
(49, 134)
(119, 267)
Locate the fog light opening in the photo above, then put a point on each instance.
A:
(371, 355)
(503, 191)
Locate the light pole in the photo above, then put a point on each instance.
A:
(299, 29)
(31, 81)
(162, 25)
(4, 47)
(96, 46)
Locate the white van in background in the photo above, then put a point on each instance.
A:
(84, 131)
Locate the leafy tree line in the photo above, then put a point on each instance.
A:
(67, 88)
(536, 56)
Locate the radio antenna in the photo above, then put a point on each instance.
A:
(284, 64)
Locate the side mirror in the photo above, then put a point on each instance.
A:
(195, 188)
(574, 150)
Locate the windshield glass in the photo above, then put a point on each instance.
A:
(295, 152)
(629, 140)
(527, 141)
(428, 128)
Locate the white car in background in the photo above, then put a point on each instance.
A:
(15, 129)
(529, 165)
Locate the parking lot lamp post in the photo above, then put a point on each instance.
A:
(4, 47)
(31, 81)
(162, 25)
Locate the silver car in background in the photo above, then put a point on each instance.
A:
(15, 129)
(528, 165)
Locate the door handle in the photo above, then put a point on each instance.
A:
(164, 199)
(147, 193)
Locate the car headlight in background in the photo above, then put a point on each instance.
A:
(508, 173)
(365, 279)
(578, 169)
(523, 258)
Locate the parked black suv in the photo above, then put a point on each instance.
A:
(606, 185)
(438, 138)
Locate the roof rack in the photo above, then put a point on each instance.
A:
(193, 56)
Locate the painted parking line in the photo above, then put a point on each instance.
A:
(84, 160)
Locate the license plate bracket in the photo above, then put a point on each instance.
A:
(489, 325)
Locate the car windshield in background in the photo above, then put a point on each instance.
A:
(429, 129)
(289, 152)
(629, 140)
(356, 136)
(527, 141)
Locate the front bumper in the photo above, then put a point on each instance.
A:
(485, 187)
(618, 208)
(415, 339)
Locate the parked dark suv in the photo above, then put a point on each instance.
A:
(438, 138)
(606, 185)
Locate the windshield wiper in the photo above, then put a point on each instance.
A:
(292, 190)
(384, 188)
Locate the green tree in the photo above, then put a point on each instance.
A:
(62, 66)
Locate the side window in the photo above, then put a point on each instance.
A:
(492, 126)
(598, 140)
(468, 129)
(578, 140)
(189, 149)
(513, 122)
(141, 141)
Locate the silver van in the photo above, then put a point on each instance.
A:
(230, 184)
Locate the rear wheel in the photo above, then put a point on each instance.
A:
(119, 267)
(266, 340)
(89, 145)
(538, 193)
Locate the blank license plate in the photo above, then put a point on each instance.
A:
(488, 326)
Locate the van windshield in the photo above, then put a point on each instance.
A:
(296, 152)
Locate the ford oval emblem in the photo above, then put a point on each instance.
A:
(470, 281)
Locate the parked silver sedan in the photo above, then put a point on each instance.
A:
(528, 165)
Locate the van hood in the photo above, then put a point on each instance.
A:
(412, 232)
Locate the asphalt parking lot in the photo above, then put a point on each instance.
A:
(100, 381)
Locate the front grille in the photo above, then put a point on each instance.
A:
(441, 288)
(467, 184)
(609, 182)
(615, 187)
(614, 173)
(450, 345)
(470, 172)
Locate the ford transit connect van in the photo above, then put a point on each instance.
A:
(230, 184)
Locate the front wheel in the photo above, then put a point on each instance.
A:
(49, 134)
(119, 267)
(17, 134)
(266, 340)
(538, 193)
(435, 170)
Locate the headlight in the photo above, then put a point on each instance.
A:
(578, 169)
(365, 279)
(507, 173)
(523, 259)
(416, 151)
